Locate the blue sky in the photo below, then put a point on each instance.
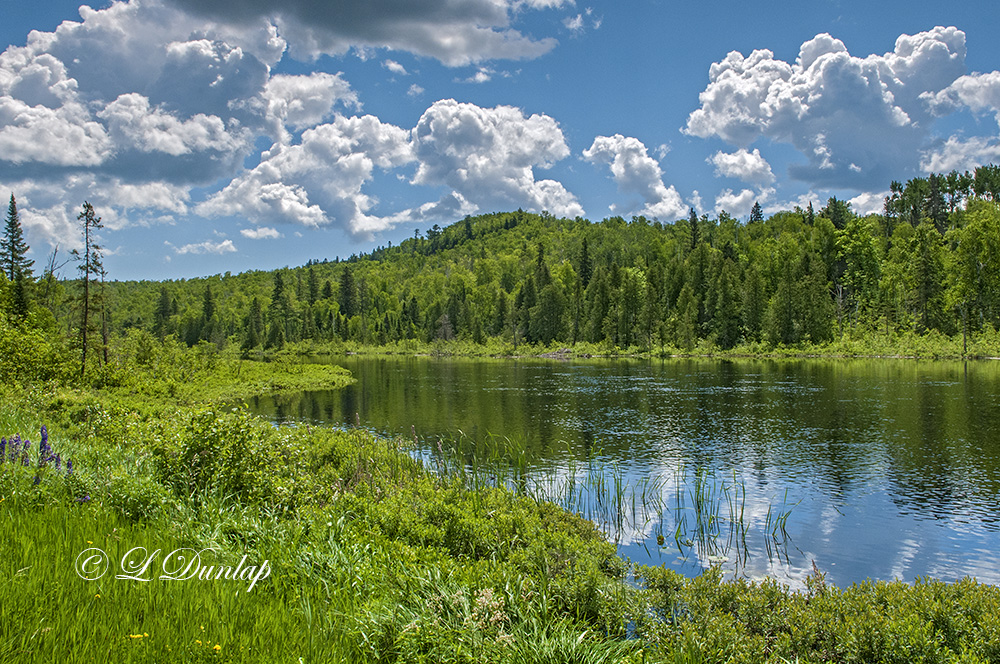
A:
(215, 139)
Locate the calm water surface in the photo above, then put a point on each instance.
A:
(884, 469)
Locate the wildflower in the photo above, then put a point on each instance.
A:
(58, 462)
(36, 481)
(198, 641)
(97, 596)
(69, 466)
(3, 448)
(217, 647)
(83, 499)
(44, 449)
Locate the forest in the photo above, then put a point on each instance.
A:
(927, 266)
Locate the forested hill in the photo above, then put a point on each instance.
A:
(930, 262)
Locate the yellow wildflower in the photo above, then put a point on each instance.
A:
(217, 647)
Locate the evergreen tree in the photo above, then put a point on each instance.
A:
(278, 313)
(927, 270)
(935, 207)
(542, 276)
(12, 246)
(208, 322)
(630, 307)
(161, 317)
(586, 266)
(754, 304)
(727, 309)
(756, 213)
(598, 299)
(652, 309)
(837, 211)
(693, 224)
(349, 292)
(546, 317)
(19, 305)
(685, 319)
(313, 286)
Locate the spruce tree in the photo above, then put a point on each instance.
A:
(13, 247)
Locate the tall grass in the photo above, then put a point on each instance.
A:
(701, 510)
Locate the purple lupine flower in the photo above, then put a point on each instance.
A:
(83, 499)
(3, 450)
(37, 480)
(58, 462)
(69, 466)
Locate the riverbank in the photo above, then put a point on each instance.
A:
(933, 345)
(371, 556)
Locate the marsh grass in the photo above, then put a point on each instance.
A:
(701, 510)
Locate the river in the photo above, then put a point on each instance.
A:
(881, 469)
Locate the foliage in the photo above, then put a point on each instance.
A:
(795, 279)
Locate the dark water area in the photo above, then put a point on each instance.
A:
(875, 469)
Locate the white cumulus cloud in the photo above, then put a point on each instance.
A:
(206, 247)
(318, 181)
(635, 172)
(488, 155)
(305, 101)
(857, 121)
(395, 67)
(743, 165)
(262, 233)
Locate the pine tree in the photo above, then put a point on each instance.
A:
(756, 213)
(13, 247)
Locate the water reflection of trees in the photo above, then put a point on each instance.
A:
(920, 431)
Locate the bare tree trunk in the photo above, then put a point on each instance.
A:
(86, 298)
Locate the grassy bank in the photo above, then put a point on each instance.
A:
(859, 344)
(372, 557)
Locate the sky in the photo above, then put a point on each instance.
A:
(214, 136)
